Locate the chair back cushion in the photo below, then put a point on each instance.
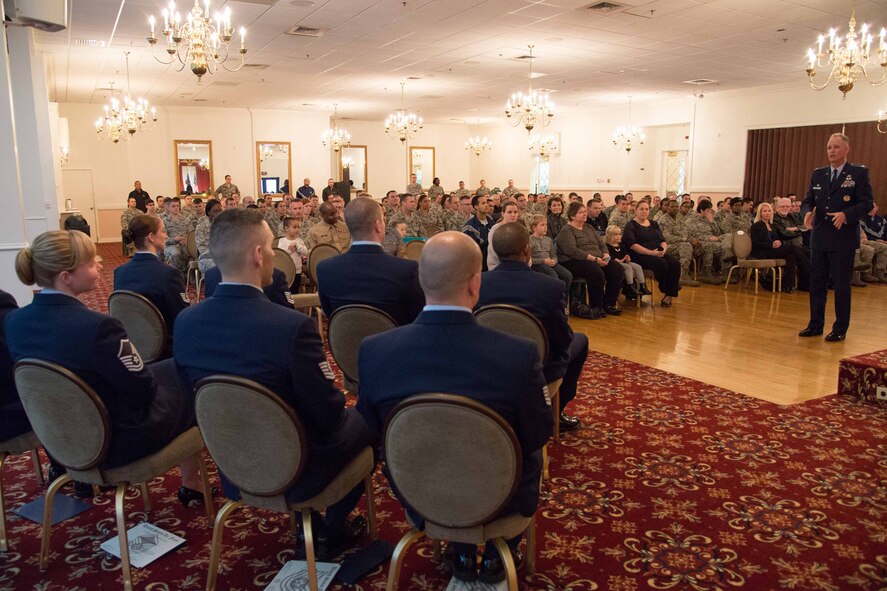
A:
(191, 244)
(66, 414)
(413, 250)
(143, 322)
(516, 322)
(319, 253)
(284, 262)
(348, 326)
(432, 229)
(454, 460)
(254, 437)
(741, 244)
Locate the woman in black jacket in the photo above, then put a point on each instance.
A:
(643, 238)
(765, 244)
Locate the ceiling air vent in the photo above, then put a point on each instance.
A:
(604, 7)
(256, 66)
(306, 32)
(700, 81)
(89, 43)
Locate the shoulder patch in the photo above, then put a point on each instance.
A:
(289, 297)
(546, 396)
(129, 357)
(327, 370)
(185, 298)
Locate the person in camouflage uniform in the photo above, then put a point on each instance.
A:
(130, 212)
(413, 188)
(201, 235)
(510, 191)
(733, 220)
(407, 215)
(675, 233)
(435, 191)
(424, 214)
(621, 214)
(703, 235)
(390, 205)
(448, 218)
(177, 228)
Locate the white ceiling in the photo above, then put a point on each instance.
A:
(461, 52)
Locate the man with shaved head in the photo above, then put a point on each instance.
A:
(331, 230)
(507, 377)
(365, 274)
(230, 332)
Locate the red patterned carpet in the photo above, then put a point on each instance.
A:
(671, 484)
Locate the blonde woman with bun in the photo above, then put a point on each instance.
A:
(146, 407)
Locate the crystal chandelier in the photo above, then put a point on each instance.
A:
(542, 146)
(476, 144)
(626, 138)
(266, 151)
(848, 58)
(122, 120)
(336, 138)
(882, 122)
(201, 42)
(401, 124)
(529, 109)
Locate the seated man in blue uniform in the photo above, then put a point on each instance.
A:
(365, 274)
(230, 333)
(514, 282)
(440, 340)
(277, 291)
(13, 421)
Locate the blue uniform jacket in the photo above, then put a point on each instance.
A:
(239, 331)
(851, 193)
(61, 329)
(277, 292)
(13, 421)
(513, 282)
(449, 352)
(161, 283)
(366, 275)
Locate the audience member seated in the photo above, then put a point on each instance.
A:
(597, 219)
(643, 239)
(295, 246)
(585, 255)
(875, 236)
(478, 226)
(331, 230)
(365, 274)
(513, 282)
(556, 218)
(766, 245)
(230, 332)
(674, 230)
(784, 224)
(177, 228)
(732, 219)
(443, 337)
(147, 275)
(621, 214)
(201, 235)
(13, 420)
(393, 244)
(634, 285)
(544, 254)
(712, 247)
(130, 212)
(510, 214)
(146, 407)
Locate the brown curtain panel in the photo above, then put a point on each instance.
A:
(780, 161)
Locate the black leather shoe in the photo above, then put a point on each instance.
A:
(569, 423)
(613, 311)
(810, 332)
(83, 491)
(330, 545)
(463, 566)
(834, 336)
(189, 496)
(644, 290)
(492, 570)
(595, 314)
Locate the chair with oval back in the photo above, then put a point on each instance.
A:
(413, 250)
(265, 463)
(143, 322)
(432, 229)
(74, 426)
(319, 253)
(348, 326)
(14, 446)
(284, 262)
(459, 492)
(742, 247)
(191, 245)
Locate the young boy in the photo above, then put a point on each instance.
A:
(543, 252)
(293, 244)
(394, 239)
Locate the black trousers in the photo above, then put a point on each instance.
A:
(797, 265)
(666, 269)
(837, 265)
(603, 282)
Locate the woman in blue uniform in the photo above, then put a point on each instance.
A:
(147, 408)
(147, 275)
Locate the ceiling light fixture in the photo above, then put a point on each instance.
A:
(530, 109)
(882, 122)
(122, 120)
(848, 57)
(542, 146)
(201, 42)
(476, 144)
(335, 138)
(402, 125)
(627, 137)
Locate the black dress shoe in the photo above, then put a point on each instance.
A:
(595, 314)
(810, 332)
(613, 311)
(329, 545)
(492, 570)
(834, 336)
(569, 423)
(644, 290)
(189, 496)
(462, 565)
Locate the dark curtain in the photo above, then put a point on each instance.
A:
(780, 161)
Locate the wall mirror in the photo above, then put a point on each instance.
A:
(422, 164)
(353, 166)
(194, 174)
(274, 168)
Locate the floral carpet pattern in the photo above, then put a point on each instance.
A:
(671, 484)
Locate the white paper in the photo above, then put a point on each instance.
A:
(457, 585)
(147, 543)
(294, 576)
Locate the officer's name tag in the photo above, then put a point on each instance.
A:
(817, 187)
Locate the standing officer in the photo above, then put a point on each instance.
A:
(141, 196)
(839, 196)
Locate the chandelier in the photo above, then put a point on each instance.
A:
(542, 146)
(122, 120)
(336, 138)
(882, 122)
(626, 138)
(530, 109)
(848, 58)
(266, 151)
(476, 144)
(201, 42)
(402, 125)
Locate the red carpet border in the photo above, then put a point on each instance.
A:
(671, 484)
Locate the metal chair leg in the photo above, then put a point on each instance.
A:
(531, 547)
(397, 558)
(371, 507)
(545, 462)
(216, 546)
(508, 561)
(122, 537)
(207, 487)
(146, 498)
(47, 518)
(309, 549)
(4, 546)
(38, 469)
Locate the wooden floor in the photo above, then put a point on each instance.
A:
(741, 341)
